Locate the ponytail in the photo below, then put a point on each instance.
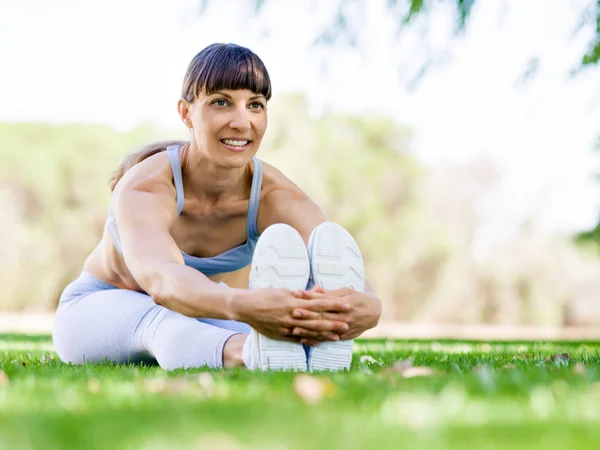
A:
(138, 156)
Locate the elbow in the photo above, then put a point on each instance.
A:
(159, 295)
(158, 298)
(154, 286)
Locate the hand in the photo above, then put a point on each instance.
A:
(269, 311)
(363, 314)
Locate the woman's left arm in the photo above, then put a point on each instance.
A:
(364, 312)
(291, 206)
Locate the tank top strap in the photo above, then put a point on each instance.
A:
(175, 161)
(252, 226)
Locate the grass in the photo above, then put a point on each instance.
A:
(475, 395)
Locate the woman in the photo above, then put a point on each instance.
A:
(169, 280)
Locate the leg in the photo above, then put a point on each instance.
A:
(280, 260)
(125, 326)
(336, 262)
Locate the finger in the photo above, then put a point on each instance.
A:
(322, 325)
(340, 292)
(326, 305)
(305, 314)
(316, 335)
(307, 294)
(316, 290)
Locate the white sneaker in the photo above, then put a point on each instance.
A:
(335, 262)
(280, 261)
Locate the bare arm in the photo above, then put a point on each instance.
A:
(145, 208)
(294, 208)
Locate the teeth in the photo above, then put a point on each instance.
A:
(236, 143)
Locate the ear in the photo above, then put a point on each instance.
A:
(183, 108)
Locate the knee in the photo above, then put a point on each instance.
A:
(182, 343)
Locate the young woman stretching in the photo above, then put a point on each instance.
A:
(211, 257)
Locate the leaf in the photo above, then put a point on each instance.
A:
(312, 390)
(579, 368)
(155, 385)
(206, 382)
(399, 366)
(93, 385)
(420, 371)
(406, 369)
(367, 359)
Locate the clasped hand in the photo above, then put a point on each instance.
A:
(311, 316)
(362, 314)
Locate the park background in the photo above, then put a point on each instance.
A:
(456, 140)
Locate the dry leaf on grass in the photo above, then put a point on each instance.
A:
(368, 359)
(412, 372)
(399, 367)
(406, 369)
(206, 382)
(579, 368)
(509, 366)
(3, 379)
(155, 385)
(313, 390)
(93, 385)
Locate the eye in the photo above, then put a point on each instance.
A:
(220, 102)
(257, 105)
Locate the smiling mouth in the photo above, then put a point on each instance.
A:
(238, 143)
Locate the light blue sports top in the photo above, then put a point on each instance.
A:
(228, 261)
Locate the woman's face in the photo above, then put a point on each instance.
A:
(228, 125)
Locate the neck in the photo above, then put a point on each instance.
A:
(210, 180)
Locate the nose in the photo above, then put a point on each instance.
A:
(240, 120)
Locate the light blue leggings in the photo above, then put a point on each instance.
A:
(98, 322)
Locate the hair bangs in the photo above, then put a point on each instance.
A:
(226, 66)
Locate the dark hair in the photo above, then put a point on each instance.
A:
(216, 67)
(225, 66)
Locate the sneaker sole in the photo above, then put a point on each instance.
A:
(336, 262)
(280, 260)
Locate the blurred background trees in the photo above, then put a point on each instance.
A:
(417, 227)
(423, 221)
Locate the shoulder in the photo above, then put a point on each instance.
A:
(147, 182)
(282, 201)
(152, 173)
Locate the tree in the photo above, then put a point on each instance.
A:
(342, 30)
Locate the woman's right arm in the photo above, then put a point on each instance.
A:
(145, 208)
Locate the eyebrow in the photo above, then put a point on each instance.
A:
(224, 94)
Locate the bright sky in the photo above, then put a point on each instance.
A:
(121, 62)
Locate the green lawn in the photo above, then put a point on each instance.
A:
(476, 396)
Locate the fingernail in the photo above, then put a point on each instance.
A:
(297, 315)
(345, 306)
(296, 332)
(335, 338)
